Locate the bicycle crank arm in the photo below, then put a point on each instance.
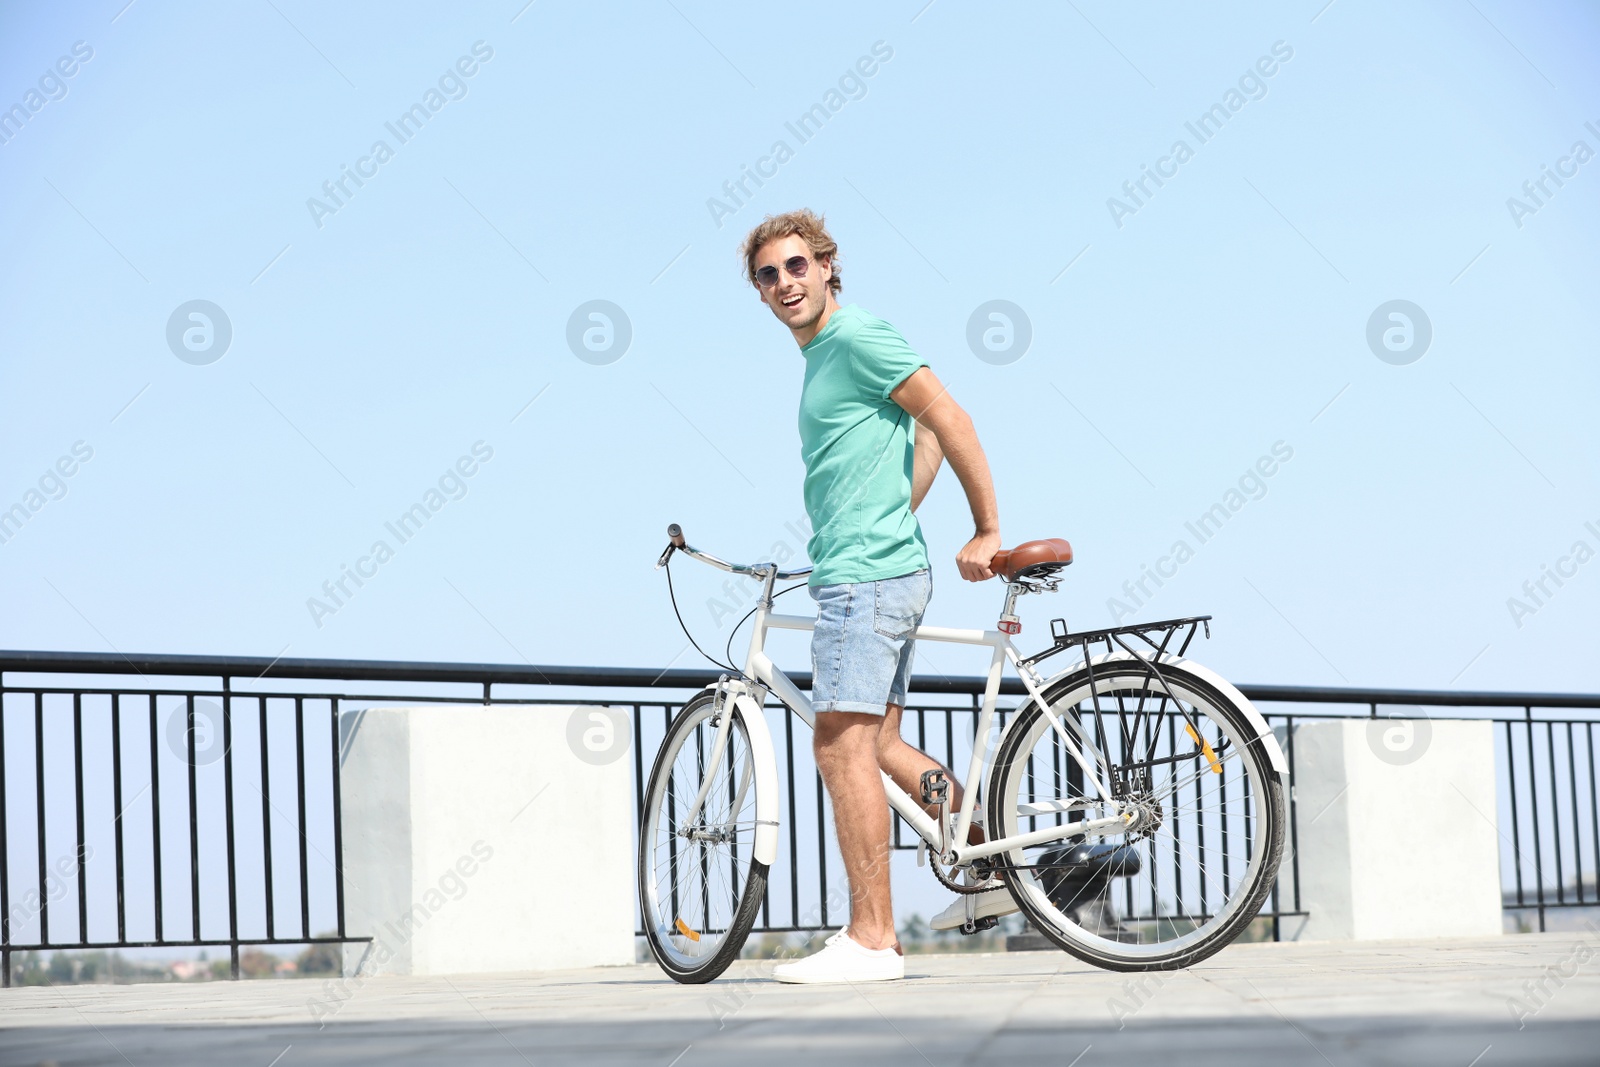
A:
(1115, 824)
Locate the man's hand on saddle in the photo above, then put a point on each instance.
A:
(973, 559)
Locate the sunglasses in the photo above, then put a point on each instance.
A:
(797, 266)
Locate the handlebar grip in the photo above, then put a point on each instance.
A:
(675, 535)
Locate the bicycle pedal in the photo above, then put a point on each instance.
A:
(977, 926)
(935, 787)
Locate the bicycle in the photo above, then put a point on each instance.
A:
(1128, 857)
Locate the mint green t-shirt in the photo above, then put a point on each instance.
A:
(857, 446)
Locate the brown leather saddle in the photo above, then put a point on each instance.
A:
(1032, 559)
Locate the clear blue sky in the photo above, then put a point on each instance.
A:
(1176, 338)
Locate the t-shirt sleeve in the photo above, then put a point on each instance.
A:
(882, 359)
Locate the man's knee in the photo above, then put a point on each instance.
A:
(888, 745)
(841, 736)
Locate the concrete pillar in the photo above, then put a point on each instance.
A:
(487, 838)
(1397, 829)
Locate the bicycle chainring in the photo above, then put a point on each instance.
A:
(949, 880)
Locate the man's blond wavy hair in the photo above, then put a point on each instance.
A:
(805, 224)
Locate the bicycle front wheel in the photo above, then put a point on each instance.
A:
(1199, 857)
(700, 884)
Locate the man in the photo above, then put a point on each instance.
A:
(875, 426)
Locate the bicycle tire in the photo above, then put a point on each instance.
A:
(677, 944)
(1261, 800)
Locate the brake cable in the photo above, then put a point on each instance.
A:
(685, 627)
(728, 649)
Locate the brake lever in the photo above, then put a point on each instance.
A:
(674, 540)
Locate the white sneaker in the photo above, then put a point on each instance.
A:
(843, 959)
(991, 902)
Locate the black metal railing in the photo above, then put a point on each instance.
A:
(1544, 766)
(193, 801)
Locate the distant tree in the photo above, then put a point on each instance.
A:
(221, 969)
(320, 959)
(60, 971)
(254, 963)
(28, 970)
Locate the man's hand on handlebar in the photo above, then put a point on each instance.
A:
(973, 559)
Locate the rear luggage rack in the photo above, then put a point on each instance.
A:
(1113, 635)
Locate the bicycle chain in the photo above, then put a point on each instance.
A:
(956, 887)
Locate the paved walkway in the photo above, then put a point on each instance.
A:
(1414, 1002)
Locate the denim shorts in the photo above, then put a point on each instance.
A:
(861, 649)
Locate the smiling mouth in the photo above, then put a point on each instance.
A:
(793, 301)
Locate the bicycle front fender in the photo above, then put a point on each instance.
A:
(764, 762)
(1264, 735)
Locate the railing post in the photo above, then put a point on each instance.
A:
(38, 754)
(266, 818)
(5, 871)
(1516, 832)
(1577, 828)
(338, 819)
(155, 820)
(116, 806)
(300, 786)
(794, 838)
(227, 807)
(1533, 802)
(77, 785)
(194, 823)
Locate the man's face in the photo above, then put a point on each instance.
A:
(798, 302)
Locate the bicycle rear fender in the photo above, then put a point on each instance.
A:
(764, 762)
(1264, 734)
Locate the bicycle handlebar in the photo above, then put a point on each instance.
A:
(676, 543)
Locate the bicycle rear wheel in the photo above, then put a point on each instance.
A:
(700, 884)
(1193, 869)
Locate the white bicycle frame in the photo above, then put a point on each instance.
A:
(762, 676)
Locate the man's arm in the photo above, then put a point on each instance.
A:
(929, 403)
(925, 462)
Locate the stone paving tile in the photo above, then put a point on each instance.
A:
(1422, 1002)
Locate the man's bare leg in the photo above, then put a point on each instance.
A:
(846, 747)
(905, 765)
